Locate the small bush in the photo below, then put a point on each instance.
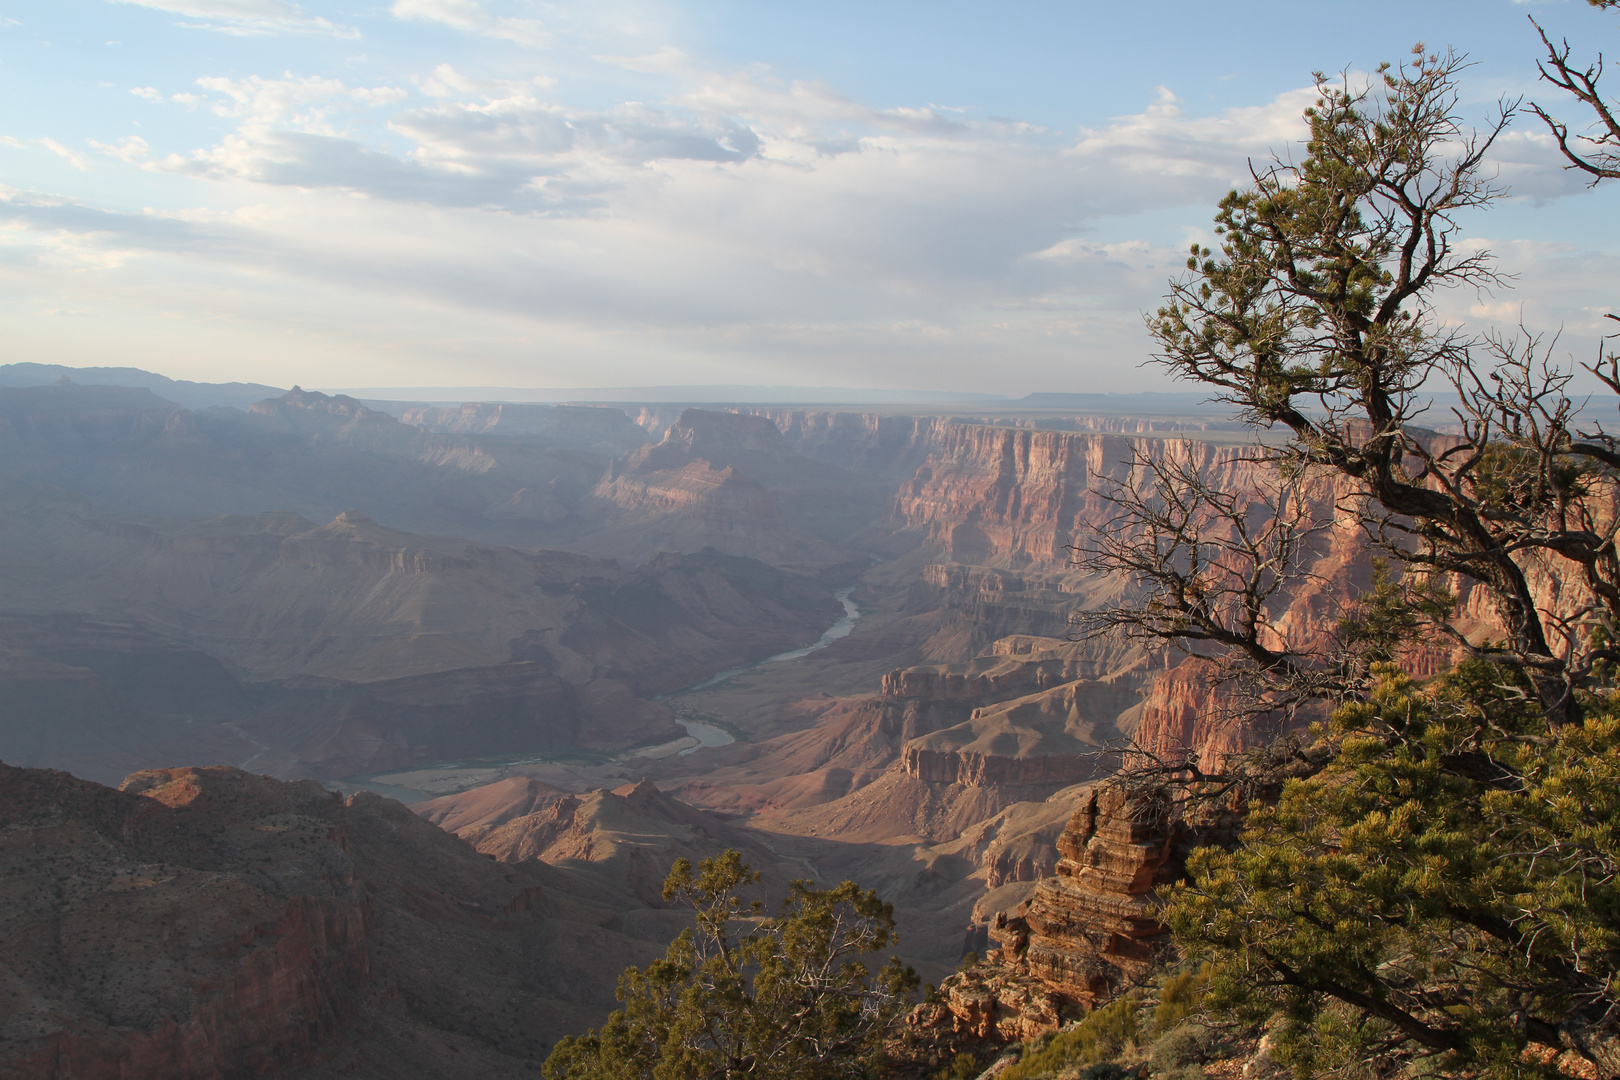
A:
(1181, 997)
(1106, 1070)
(1180, 1072)
(1175, 1049)
(1093, 1041)
(963, 1066)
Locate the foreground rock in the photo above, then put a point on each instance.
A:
(1083, 935)
(211, 922)
(1094, 927)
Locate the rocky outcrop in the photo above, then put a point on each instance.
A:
(164, 960)
(1094, 926)
(992, 1004)
(1083, 933)
(205, 923)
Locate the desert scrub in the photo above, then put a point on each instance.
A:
(1181, 997)
(1103, 1035)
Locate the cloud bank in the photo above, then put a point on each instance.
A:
(740, 226)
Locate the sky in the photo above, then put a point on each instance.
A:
(978, 197)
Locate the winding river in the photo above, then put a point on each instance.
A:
(472, 774)
(709, 734)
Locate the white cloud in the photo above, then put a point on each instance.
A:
(146, 93)
(72, 157)
(1530, 166)
(737, 221)
(302, 103)
(498, 143)
(446, 82)
(131, 148)
(1547, 285)
(248, 17)
(745, 215)
(470, 17)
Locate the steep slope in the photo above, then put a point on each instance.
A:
(209, 922)
(628, 837)
(472, 815)
(624, 840)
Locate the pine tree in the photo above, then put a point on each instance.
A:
(743, 994)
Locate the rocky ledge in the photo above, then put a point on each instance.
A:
(1083, 934)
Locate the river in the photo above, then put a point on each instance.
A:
(475, 773)
(709, 734)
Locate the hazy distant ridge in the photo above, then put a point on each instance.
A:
(192, 395)
(197, 395)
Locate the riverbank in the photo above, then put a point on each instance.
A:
(431, 781)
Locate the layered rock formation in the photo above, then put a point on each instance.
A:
(1094, 926)
(1187, 711)
(1010, 497)
(1083, 934)
(895, 443)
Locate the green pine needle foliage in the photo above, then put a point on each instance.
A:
(742, 994)
(1441, 896)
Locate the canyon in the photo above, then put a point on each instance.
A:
(518, 619)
